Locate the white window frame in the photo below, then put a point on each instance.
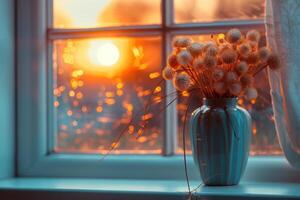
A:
(34, 38)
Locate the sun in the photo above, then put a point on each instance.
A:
(103, 53)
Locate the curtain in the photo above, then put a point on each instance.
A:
(283, 36)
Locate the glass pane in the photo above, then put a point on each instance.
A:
(187, 11)
(101, 13)
(99, 85)
(264, 139)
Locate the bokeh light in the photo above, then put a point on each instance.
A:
(100, 83)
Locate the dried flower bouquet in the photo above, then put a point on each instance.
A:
(223, 67)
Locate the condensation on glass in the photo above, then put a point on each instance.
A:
(103, 13)
(99, 85)
(190, 11)
(264, 139)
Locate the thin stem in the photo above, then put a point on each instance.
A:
(184, 148)
(161, 110)
(164, 108)
(190, 73)
(119, 137)
(260, 69)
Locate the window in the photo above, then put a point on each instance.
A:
(95, 66)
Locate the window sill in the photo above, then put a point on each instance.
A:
(89, 189)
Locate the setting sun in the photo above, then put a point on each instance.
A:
(103, 53)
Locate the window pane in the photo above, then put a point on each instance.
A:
(99, 84)
(187, 11)
(101, 13)
(264, 139)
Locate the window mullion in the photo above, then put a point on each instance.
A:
(168, 8)
(119, 31)
(49, 13)
(170, 136)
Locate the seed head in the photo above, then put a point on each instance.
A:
(211, 50)
(251, 93)
(233, 35)
(208, 44)
(181, 42)
(172, 61)
(229, 56)
(217, 74)
(246, 80)
(263, 54)
(184, 58)
(231, 77)
(210, 61)
(235, 88)
(253, 35)
(195, 48)
(182, 81)
(274, 62)
(220, 87)
(244, 49)
(168, 73)
(241, 67)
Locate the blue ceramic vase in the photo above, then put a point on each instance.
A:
(220, 134)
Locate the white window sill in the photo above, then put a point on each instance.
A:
(265, 178)
(88, 189)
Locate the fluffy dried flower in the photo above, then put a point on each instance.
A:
(253, 58)
(184, 58)
(217, 74)
(231, 77)
(274, 62)
(241, 67)
(224, 47)
(253, 35)
(182, 81)
(229, 56)
(210, 61)
(263, 54)
(235, 88)
(251, 93)
(209, 43)
(195, 48)
(172, 61)
(198, 63)
(233, 35)
(220, 87)
(212, 50)
(246, 80)
(168, 73)
(181, 42)
(244, 49)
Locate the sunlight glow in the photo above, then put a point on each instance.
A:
(78, 13)
(103, 53)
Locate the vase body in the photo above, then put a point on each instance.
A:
(220, 134)
(283, 28)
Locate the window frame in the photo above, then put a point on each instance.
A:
(34, 38)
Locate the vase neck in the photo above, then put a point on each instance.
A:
(220, 102)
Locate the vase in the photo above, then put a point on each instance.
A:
(220, 134)
(283, 28)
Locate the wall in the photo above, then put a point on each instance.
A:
(7, 101)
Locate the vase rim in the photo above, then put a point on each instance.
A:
(220, 101)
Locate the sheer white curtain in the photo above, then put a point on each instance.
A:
(283, 35)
